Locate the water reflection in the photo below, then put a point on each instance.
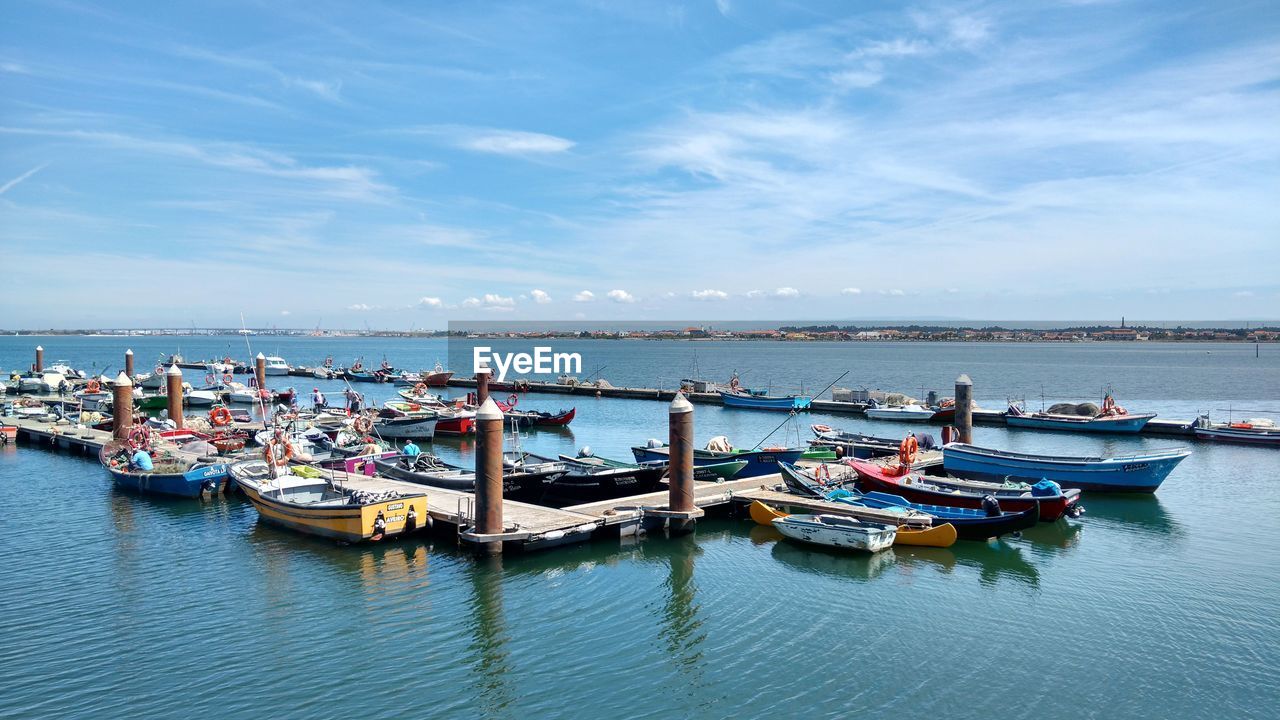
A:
(1140, 513)
(1054, 537)
(832, 562)
(682, 626)
(487, 622)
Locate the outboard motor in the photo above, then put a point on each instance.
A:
(653, 443)
(990, 505)
(586, 452)
(926, 441)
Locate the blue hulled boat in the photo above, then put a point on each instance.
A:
(168, 478)
(765, 402)
(1141, 473)
(759, 462)
(1110, 419)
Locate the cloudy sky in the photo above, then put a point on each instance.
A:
(410, 163)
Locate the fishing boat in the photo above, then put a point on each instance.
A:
(1110, 419)
(199, 398)
(277, 366)
(301, 499)
(41, 383)
(940, 536)
(853, 444)
(436, 377)
(532, 418)
(837, 531)
(522, 486)
(417, 426)
(1053, 502)
(753, 401)
(1254, 431)
(759, 462)
(449, 421)
(900, 413)
(714, 472)
(170, 474)
(1137, 473)
(241, 393)
(584, 482)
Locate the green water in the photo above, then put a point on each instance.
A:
(115, 605)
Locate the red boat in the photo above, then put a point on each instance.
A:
(461, 424)
(960, 493)
(437, 378)
(560, 419)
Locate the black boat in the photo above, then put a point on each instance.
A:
(586, 482)
(524, 485)
(970, 523)
(853, 444)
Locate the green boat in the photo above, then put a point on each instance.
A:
(152, 402)
(714, 472)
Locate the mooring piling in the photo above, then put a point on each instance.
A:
(173, 387)
(128, 363)
(964, 409)
(260, 370)
(488, 513)
(680, 468)
(39, 366)
(121, 407)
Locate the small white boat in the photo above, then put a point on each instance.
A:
(277, 366)
(65, 370)
(201, 398)
(1254, 431)
(43, 383)
(150, 381)
(240, 393)
(901, 413)
(837, 531)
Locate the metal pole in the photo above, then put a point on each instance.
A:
(488, 513)
(173, 387)
(121, 407)
(964, 409)
(680, 454)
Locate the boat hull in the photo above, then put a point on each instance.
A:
(349, 524)
(407, 428)
(899, 415)
(574, 488)
(191, 484)
(1244, 437)
(867, 538)
(760, 402)
(1126, 474)
(1118, 425)
(918, 490)
(759, 462)
(521, 487)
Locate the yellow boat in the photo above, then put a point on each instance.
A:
(315, 506)
(937, 536)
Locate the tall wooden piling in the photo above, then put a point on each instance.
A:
(121, 407)
(128, 363)
(482, 385)
(964, 409)
(680, 452)
(260, 370)
(488, 513)
(173, 387)
(39, 367)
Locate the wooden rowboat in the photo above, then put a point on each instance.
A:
(941, 536)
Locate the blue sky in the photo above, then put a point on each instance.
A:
(404, 164)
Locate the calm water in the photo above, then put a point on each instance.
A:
(116, 605)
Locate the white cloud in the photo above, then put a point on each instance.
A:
(14, 182)
(515, 142)
(710, 295)
(895, 292)
(584, 296)
(360, 307)
(724, 6)
(495, 300)
(431, 302)
(540, 297)
(492, 302)
(755, 293)
(285, 312)
(851, 291)
(786, 293)
(621, 296)
(471, 302)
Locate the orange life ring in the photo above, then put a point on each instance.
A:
(220, 416)
(512, 400)
(210, 379)
(159, 370)
(363, 424)
(228, 378)
(907, 450)
(282, 459)
(93, 387)
(419, 388)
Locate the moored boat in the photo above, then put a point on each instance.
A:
(759, 462)
(1053, 501)
(587, 482)
(940, 536)
(315, 506)
(752, 401)
(521, 486)
(1254, 431)
(837, 531)
(1111, 418)
(901, 413)
(1137, 473)
(170, 475)
(713, 472)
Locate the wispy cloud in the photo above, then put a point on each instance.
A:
(18, 180)
(360, 307)
(584, 296)
(540, 297)
(851, 291)
(709, 295)
(621, 296)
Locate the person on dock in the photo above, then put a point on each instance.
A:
(411, 451)
(140, 461)
(371, 447)
(318, 400)
(353, 402)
